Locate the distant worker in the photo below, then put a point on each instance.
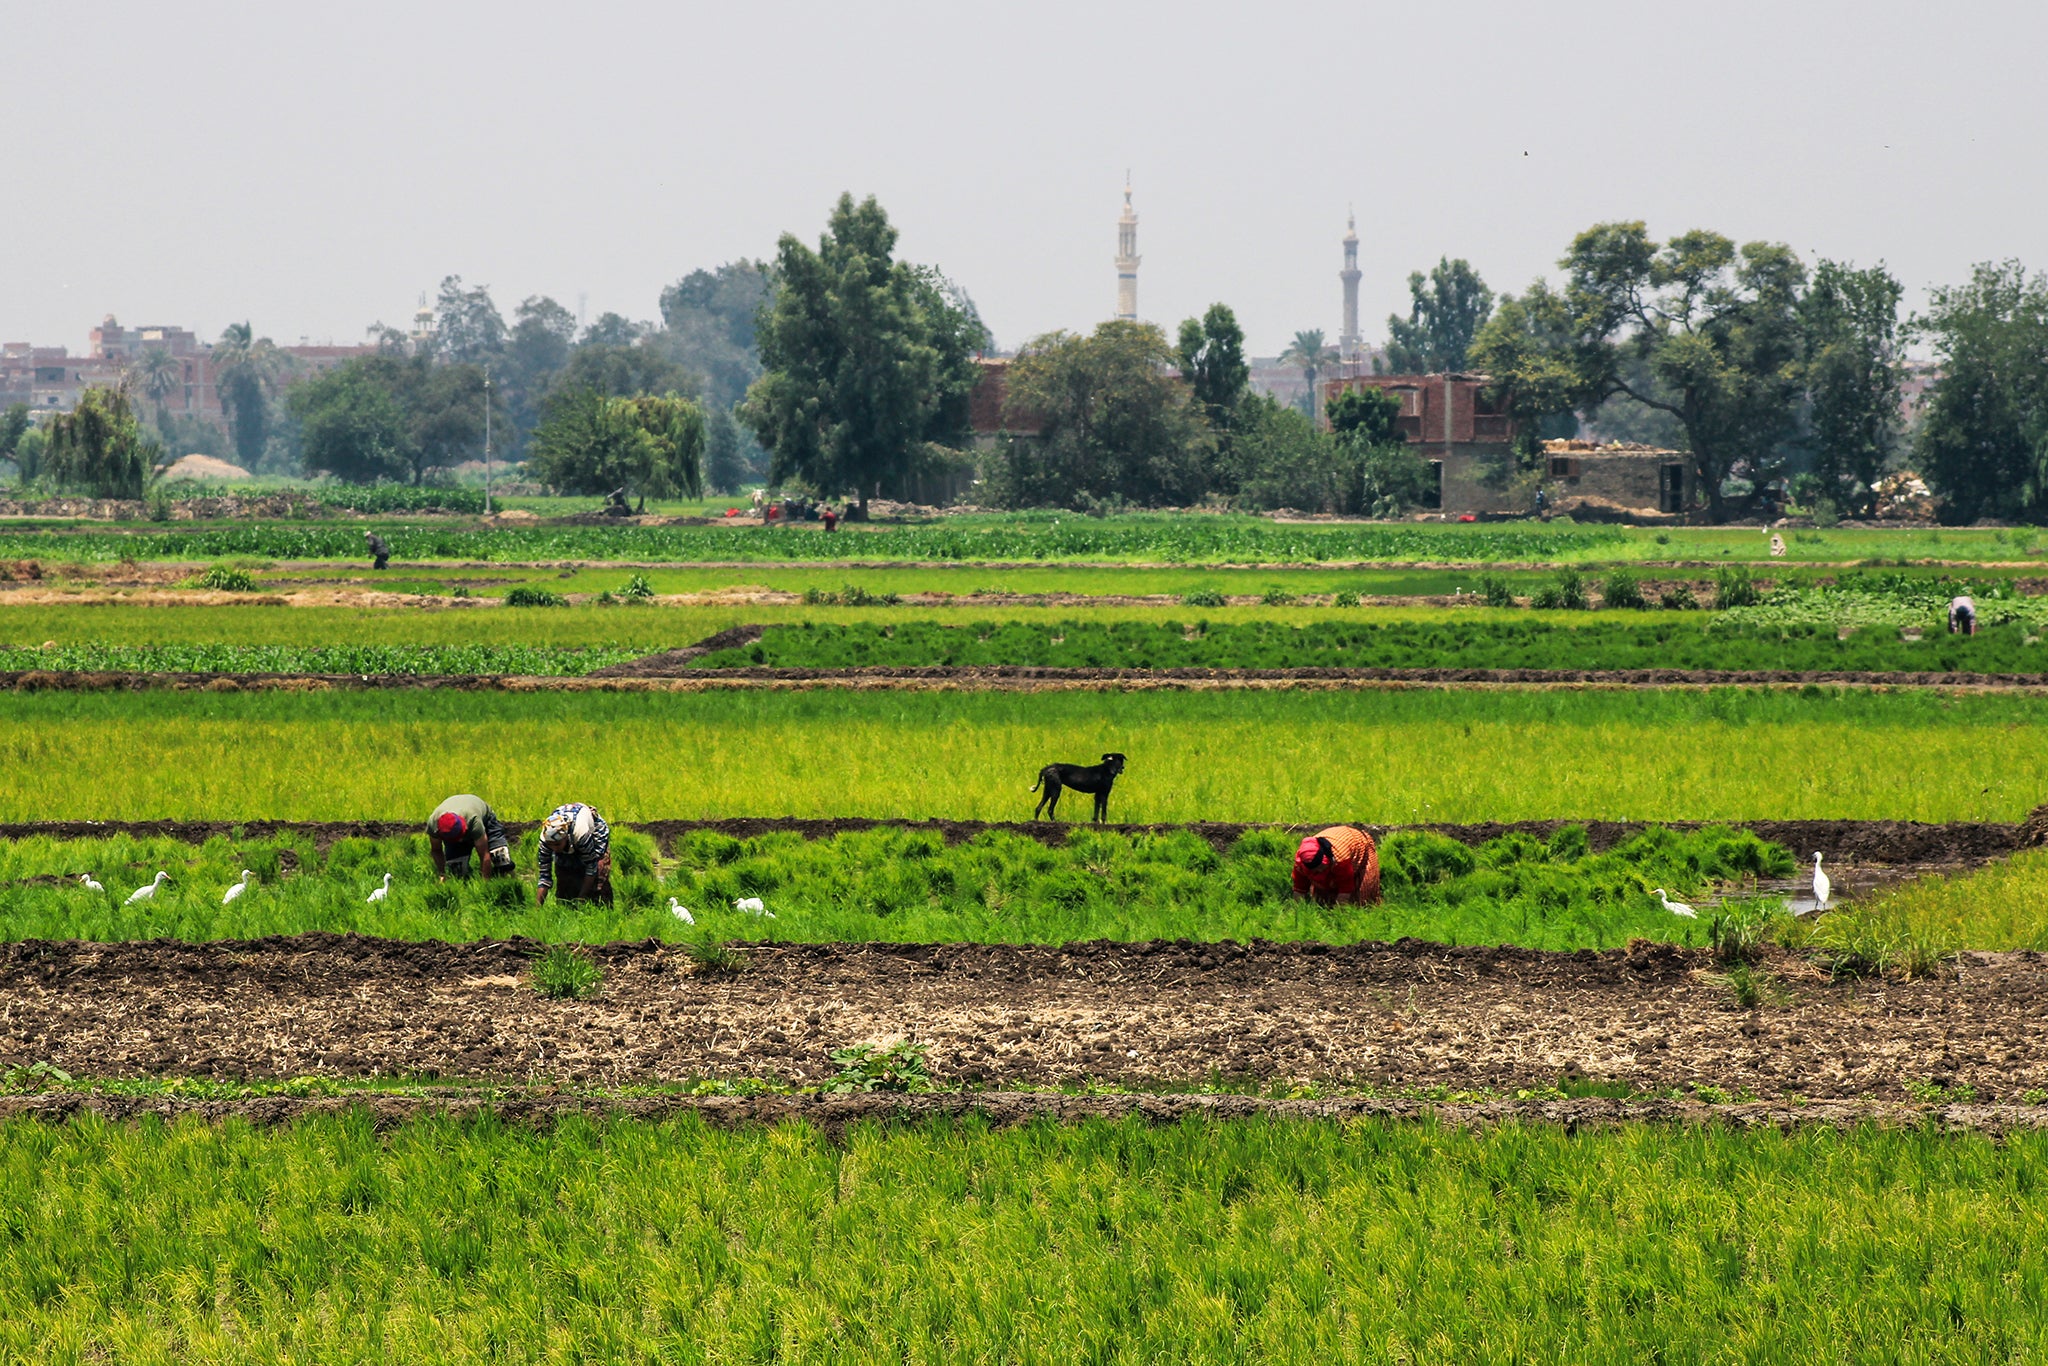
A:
(378, 550)
(1338, 864)
(576, 853)
(1542, 503)
(462, 827)
(1962, 617)
(829, 517)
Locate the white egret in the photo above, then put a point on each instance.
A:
(383, 891)
(85, 880)
(236, 889)
(1821, 885)
(1677, 907)
(149, 892)
(752, 906)
(681, 912)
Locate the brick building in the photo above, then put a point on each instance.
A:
(986, 403)
(1470, 446)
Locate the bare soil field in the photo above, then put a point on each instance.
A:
(1405, 1015)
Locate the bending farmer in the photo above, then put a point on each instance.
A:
(1339, 864)
(1962, 617)
(465, 825)
(576, 853)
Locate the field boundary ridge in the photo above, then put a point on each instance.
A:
(1008, 1109)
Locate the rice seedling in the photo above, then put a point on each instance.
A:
(562, 973)
(1202, 1241)
(889, 884)
(1407, 756)
(532, 595)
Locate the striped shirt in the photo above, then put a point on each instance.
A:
(590, 840)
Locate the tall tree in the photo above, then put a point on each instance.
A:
(622, 371)
(592, 442)
(246, 371)
(1212, 360)
(612, 329)
(389, 417)
(1694, 327)
(1310, 353)
(1983, 435)
(1850, 322)
(98, 447)
(1530, 350)
(1446, 310)
(863, 360)
(13, 426)
(468, 329)
(709, 323)
(1115, 422)
(156, 375)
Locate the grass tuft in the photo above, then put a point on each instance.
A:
(564, 973)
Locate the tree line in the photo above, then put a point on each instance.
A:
(840, 370)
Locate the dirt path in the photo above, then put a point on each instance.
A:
(1399, 1016)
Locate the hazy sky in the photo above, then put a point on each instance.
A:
(314, 167)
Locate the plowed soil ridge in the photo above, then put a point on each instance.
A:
(1376, 1017)
(832, 1115)
(1886, 842)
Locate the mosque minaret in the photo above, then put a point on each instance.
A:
(1127, 259)
(1347, 340)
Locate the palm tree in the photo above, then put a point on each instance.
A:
(245, 372)
(158, 374)
(1309, 351)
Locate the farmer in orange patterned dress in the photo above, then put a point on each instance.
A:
(1338, 864)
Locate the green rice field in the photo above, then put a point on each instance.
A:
(1394, 757)
(333, 1241)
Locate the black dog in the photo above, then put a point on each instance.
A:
(1098, 778)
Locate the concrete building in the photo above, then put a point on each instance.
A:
(50, 379)
(1127, 260)
(1470, 446)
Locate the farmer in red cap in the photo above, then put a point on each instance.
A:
(1338, 864)
(462, 826)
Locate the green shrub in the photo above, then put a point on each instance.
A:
(1344, 598)
(1622, 589)
(1496, 590)
(223, 578)
(637, 589)
(1679, 598)
(533, 595)
(1735, 586)
(1203, 597)
(899, 1067)
(1277, 597)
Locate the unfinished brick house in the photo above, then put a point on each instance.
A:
(1469, 444)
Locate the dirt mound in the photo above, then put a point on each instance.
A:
(1392, 1017)
(674, 662)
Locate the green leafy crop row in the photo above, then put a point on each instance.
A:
(416, 660)
(1169, 539)
(1473, 641)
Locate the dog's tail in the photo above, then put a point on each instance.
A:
(1036, 782)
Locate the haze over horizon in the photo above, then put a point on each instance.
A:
(313, 171)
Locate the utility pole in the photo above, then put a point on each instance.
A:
(487, 441)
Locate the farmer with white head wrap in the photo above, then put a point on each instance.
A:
(576, 852)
